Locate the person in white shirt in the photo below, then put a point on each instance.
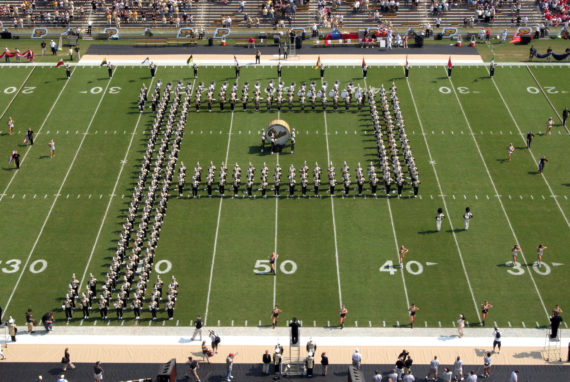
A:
(392, 375)
(439, 218)
(472, 377)
(497, 340)
(460, 325)
(377, 376)
(433, 368)
(514, 376)
(356, 359)
(487, 365)
(467, 216)
(408, 377)
(458, 369)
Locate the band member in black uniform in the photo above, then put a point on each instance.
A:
(322, 68)
(195, 67)
(373, 183)
(364, 71)
(110, 69)
(407, 69)
(529, 137)
(209, 183)
(152, 68)
(293, 136)
(249, 186)
(277, 184)
(400, 185)
(68, 71)
(222, 183)
(346, 186)
(565, 114)
(279, 70)
(332, 185)
(492, 69)
(292, 183)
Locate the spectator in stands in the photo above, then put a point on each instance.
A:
(266, 362)
(324, 363)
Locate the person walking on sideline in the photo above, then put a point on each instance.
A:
(460, 324)
(98, 372)
(413, 309)
(266, 359)
(198, 330)
(275, 316)
(343, 312)
(487, 365)
(66, 360)
(51, 145)
(356, 359)
(257, 56)
(497, 340)
(229, 366)
(324, 363)
(194, 366)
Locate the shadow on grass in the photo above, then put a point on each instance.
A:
(43, 157)
(9, 168)
(427, 232)
(533, 173)
(455, 230)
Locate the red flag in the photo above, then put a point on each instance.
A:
(59, 64)
(449, 64)
(363, 63)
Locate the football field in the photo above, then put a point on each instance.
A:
(63, 215)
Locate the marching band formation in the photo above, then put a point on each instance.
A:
(276, 95)
(134, 269)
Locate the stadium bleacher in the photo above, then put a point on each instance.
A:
(278, 14)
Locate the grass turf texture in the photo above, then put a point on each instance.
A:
(336, 261)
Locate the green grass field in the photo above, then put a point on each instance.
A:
(60, 216)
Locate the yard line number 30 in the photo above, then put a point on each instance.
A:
(13, 266)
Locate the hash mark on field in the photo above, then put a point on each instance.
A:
(532, 197)
(426, 323)
(543, 198)
(509, 323)
(537, 325)
(453, 322)
(356, 323)
(398, 324)
(524, 326)
(384, 323)
(566, 325)
(439, 323)
(67, 196)
(521, 197)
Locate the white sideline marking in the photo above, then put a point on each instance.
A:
(530, 150)
(37, 134)
(497, 193)
(445, 206)
(217, 226)
(333, 218)
(18, 92)
(112, 193)
(55, 199)
(546, 96)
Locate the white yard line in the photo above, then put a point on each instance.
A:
(398, 252)
(37, 134)
(395, 239)
(445, 204)
(546, 96)
(18, 92)
(217, 227)
(496, 192)
(530, 152)
(123, 162)
(333, 216)
(276, 233)
(56, 198)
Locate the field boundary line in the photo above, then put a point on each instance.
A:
(546, 96)
(432, 162)
(18, 92)
(37, 135)
(530, 151)
(496, 191)
(56, 197)
(395, 237)
(218, 225)
(333, 217)
(123, 162)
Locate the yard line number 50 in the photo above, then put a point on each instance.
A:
(13, 266)
(262, 267)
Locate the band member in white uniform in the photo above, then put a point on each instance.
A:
(467, 216)
(438, 219)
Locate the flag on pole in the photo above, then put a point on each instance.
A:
(236, 61)
(190, 59)
(12, 156)
(449, 64)
(104, 62)
(59, 64)
(493, 60)
(146, 61)
(363, 63)
(318, 63)
(407, 60)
